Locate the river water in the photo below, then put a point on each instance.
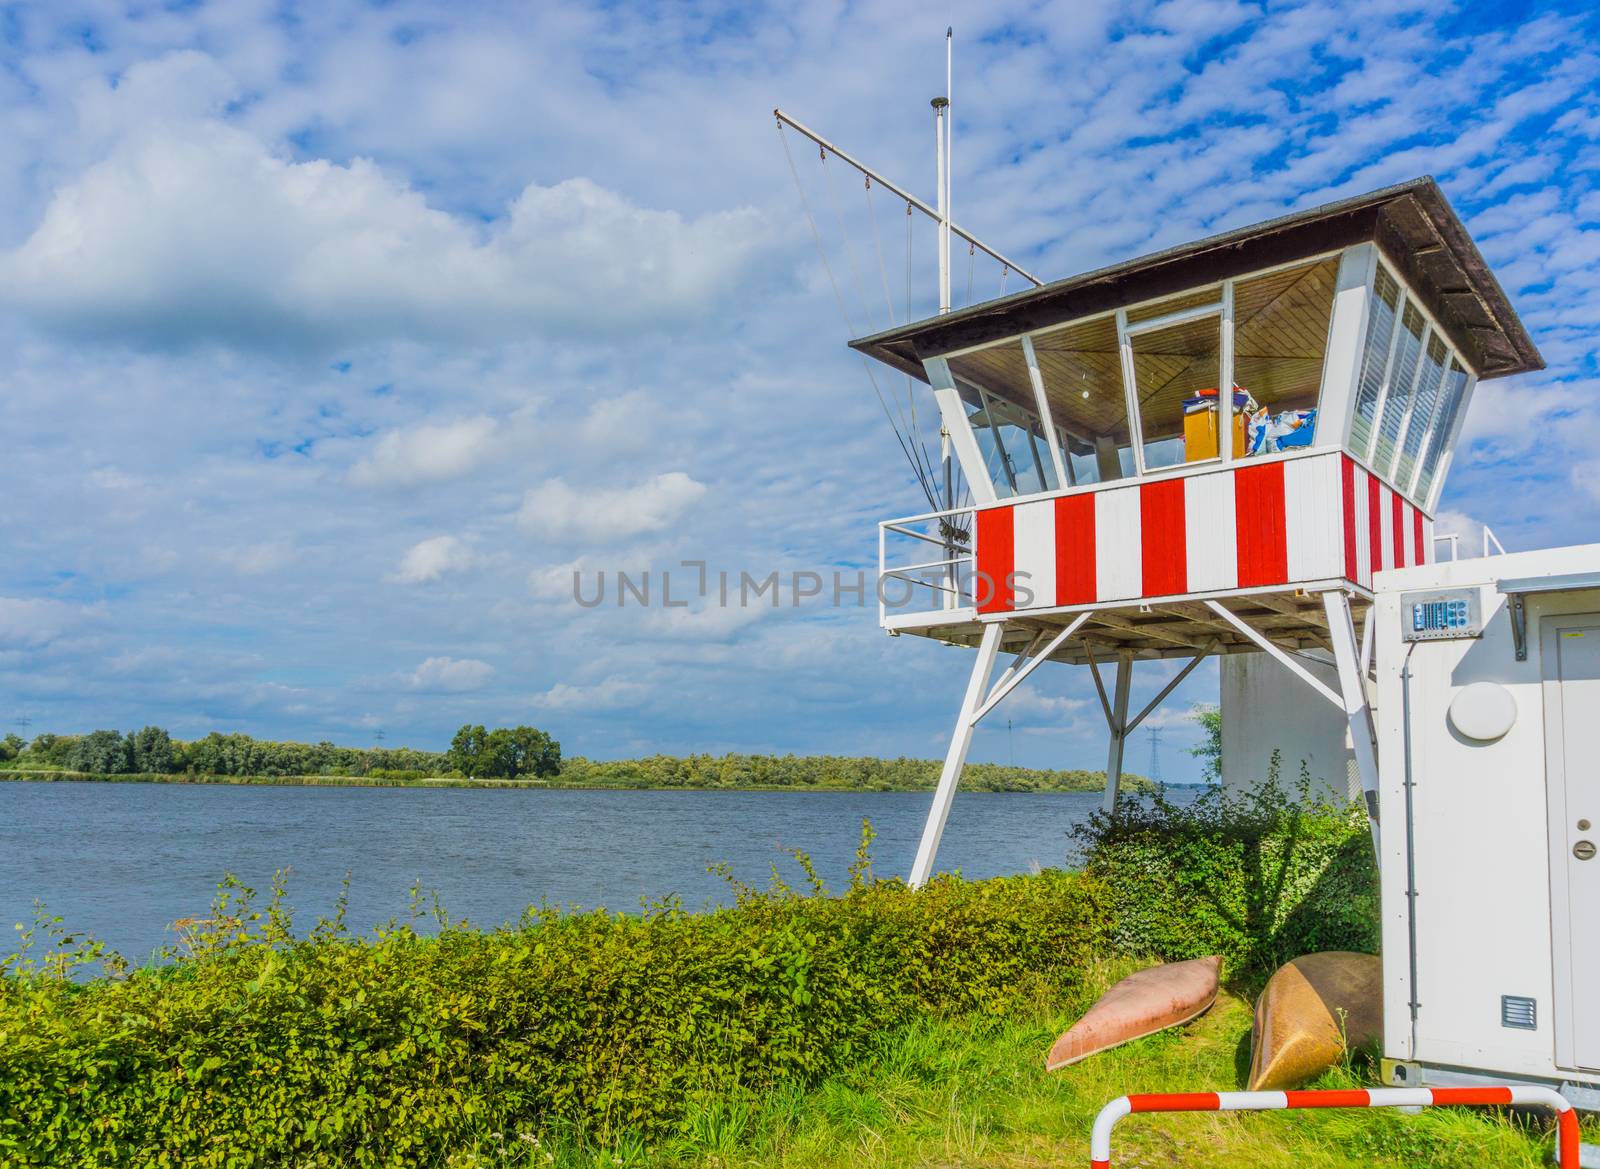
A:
(123, 861)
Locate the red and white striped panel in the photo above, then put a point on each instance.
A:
(1253, 525)
(1382, 529)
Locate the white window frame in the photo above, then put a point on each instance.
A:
(1369, 453)
(1363, 262)
(1222, 309)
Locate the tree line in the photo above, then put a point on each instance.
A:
(509, 753)
(506, 752)
(826, 772)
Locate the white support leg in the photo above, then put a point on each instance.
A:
(956, 757)
(1346, 655)
(1119, 729)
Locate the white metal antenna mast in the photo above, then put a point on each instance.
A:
(944, 127)
(944, 123)
(900, 192)
(944, 134)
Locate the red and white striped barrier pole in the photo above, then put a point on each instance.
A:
(1566, 1118)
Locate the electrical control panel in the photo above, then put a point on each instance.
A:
(1441, 615)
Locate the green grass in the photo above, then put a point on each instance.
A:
(959, 1095)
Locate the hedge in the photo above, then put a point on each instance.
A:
(262, 1049)
(1260, 877)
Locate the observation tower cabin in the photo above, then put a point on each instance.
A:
(1122, 508)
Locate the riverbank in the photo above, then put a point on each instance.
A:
(972, 1093)
(791, 1029)
(662, 773)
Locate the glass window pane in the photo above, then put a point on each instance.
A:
(998, 392)
(1450, 398)
(1402, 384)
(1374, 357)
(1040, 446)
(1082, 373)
(978, 419)
(1422, 410)
(1173, 369)
(1002, 432)
(1280, 341)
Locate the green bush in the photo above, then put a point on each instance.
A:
(257, 1048)
(1257, 877)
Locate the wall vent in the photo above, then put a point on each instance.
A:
(1519, 1012)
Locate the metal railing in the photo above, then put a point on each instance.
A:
(938, 545)
(1567, 1140)
(1491, 543)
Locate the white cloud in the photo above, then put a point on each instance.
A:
(430, 559)
(430, 453)
(1458, 523)
(32, 622)
(607, 695)
(1030, 705)
(555, 510)
(192, 229)
(331, 182)
(450, 674)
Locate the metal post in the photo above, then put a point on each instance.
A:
(1225, 377)
(1352, 686)
(952, 578)
(955, 759)
(939, 104)
(949, 153)
(1041, 402)
(1119, 729)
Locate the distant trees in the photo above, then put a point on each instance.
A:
(150, 752)
(146, 752)
(504, 753)
(101, 752)
(219, 754)
(51, 750)
(1209, 749)
(524, 752)
(824, 772)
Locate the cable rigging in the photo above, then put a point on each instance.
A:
(908, 446)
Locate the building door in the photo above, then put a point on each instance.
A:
(1575, 834)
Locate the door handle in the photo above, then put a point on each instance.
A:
(1584, 850)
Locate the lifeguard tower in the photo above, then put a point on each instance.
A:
(1123, 509)
(1236, 447)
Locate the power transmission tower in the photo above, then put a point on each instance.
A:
(1155, 758)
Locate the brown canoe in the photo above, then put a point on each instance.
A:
(1141, 1004)
(1308, 1012)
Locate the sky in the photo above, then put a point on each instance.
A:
(342, 335)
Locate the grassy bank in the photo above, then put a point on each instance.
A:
(662, 773)
(258, 1047)
(964, 1094)
(793, 1029)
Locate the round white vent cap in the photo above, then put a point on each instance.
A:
(1483, 711)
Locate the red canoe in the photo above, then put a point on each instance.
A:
(1141, 1004)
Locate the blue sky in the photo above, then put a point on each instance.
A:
(340, 335)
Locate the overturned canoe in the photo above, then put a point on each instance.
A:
(1141, 1004)
(1310, 1010)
